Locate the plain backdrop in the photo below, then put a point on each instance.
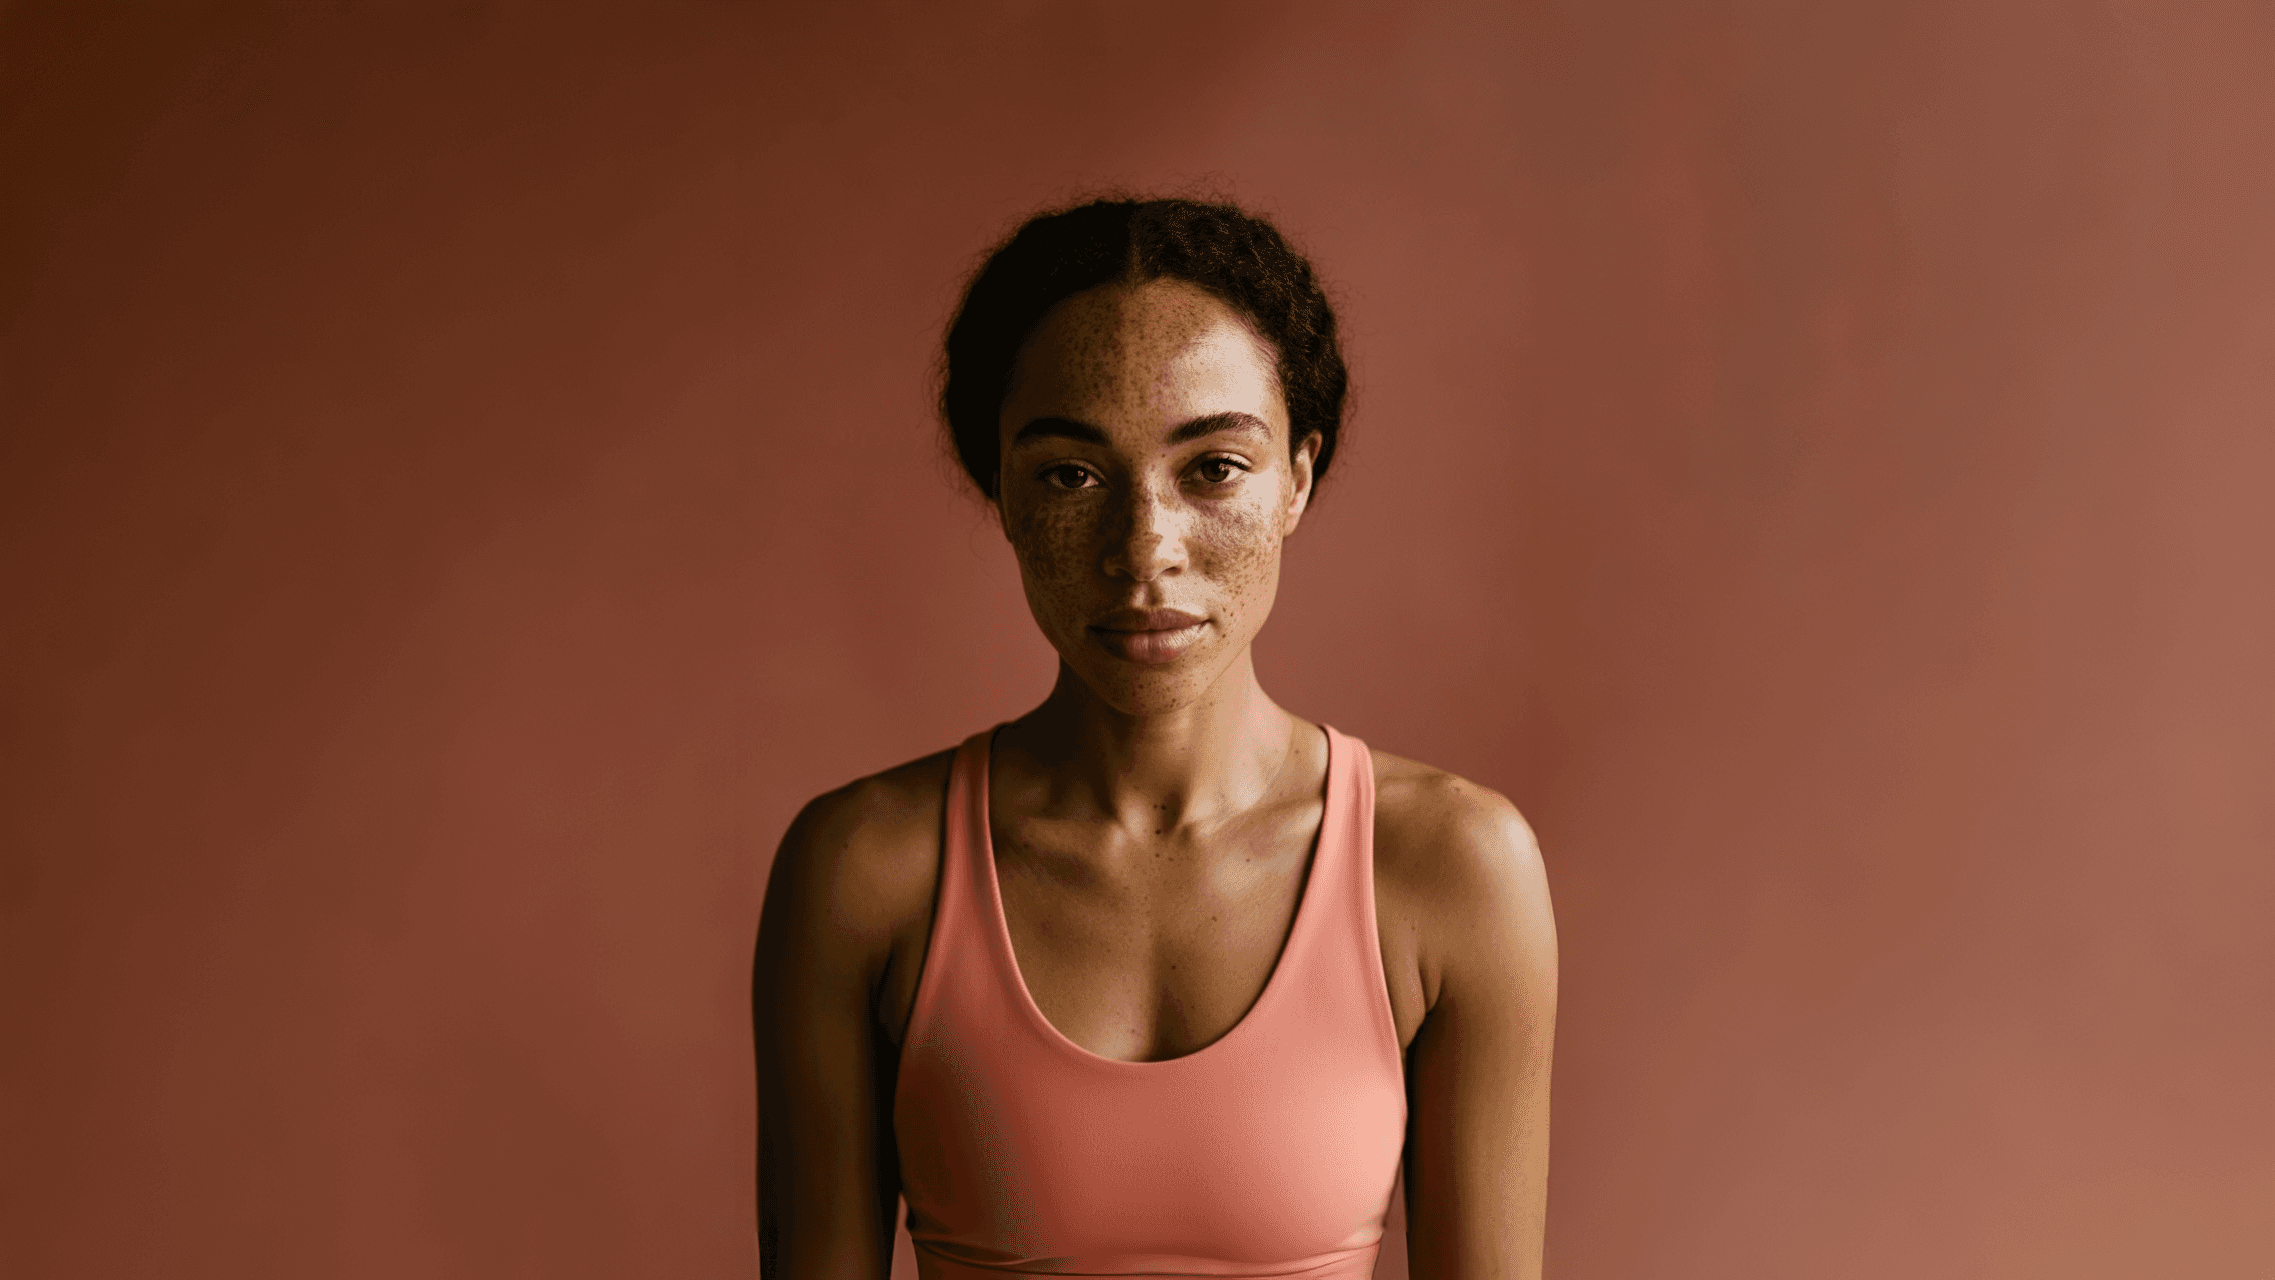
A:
(466, 477)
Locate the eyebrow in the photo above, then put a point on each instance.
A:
(1208, 425)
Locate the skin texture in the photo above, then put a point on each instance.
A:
(1153, 818)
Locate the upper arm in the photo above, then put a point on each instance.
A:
(841, 886)
(1478, 1068)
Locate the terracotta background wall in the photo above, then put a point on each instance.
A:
(465, 477)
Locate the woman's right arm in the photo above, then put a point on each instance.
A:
(852, 870)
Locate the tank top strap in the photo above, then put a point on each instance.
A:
(957, 956)
(1341, 959)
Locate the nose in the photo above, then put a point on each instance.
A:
(1150, 540)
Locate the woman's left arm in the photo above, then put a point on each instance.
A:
(1477, 1070)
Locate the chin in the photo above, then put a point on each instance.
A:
(1136, 690)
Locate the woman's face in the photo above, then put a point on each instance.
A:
(1147, 485)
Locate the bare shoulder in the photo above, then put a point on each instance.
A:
(1444, 836)
(1458, 873)
(863, 859)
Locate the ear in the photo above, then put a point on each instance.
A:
(1299, 467)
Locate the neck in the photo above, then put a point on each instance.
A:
(1217, 755)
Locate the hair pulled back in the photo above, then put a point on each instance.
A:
(1235, 255)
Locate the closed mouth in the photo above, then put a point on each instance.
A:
(1149, 637)
(1141, 621)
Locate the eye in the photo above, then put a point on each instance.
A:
(1067, 475)
(1219, 469)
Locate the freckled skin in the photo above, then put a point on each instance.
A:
(1151, 524)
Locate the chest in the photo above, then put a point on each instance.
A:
(1150, 948)
(1145, 950)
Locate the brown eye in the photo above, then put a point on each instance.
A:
(1067, 476)
(1219, 470)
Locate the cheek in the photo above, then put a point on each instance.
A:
(1238, 547)
(1055, 545)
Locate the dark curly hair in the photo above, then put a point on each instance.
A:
(1237, 256)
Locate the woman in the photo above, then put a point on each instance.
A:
(1157, 978)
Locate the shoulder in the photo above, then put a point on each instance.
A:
(1443, 835)
(1458, 869)
(862, 860)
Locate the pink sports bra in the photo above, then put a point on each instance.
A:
(1269, 1152)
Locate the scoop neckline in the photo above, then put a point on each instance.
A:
(1009, 955)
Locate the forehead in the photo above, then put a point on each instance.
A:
(1137, 356)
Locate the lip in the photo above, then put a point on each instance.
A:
(1147, 620)
(1149, 636)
